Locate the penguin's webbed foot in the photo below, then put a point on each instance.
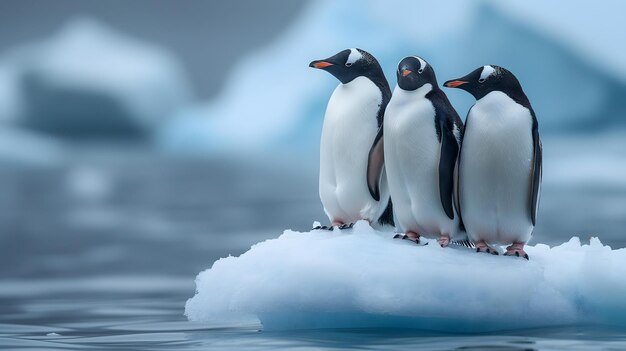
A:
(346, 226)
(516, 249)
(323, 227)
(481, 246)
(444, 240)
(410, 236)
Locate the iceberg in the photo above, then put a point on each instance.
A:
(89, 80)
(27, 148)
(362, 278)
(273, 99)
(9, 98)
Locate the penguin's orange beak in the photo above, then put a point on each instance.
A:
(406, 72)
(320, 64)
(454, 83)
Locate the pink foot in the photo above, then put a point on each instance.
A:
(411, 236)
(346, 226)
(444, 240)
(516, 249)
(337, 223)
(481, 246)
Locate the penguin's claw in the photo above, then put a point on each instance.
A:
(406, 237)
(323, 227)
(517, 253)
(444, 240)
(487, 250)
(346, 226)
(516, 249)
(481, 246)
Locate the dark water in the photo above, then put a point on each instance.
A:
(102, 251)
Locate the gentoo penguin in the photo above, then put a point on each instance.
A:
(422, 141)
(352, 182)
(500, 162)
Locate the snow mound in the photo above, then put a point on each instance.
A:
(363, 278)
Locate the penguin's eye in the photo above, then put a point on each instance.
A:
(481, 80)
(420, 70)
(348, 64)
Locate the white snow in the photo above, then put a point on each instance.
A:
(364, 278)
(87, 55)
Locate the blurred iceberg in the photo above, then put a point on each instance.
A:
(87, 80)
(9, 98)
(273, 99)
(26, 148)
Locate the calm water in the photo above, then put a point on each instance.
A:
(101, 252)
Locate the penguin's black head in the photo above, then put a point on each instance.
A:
(349, 64)
(413, 72)
(486, 79)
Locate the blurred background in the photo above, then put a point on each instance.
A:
(140, 141)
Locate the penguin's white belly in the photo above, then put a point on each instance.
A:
(412, 153)
(496, 164)
(349, 130)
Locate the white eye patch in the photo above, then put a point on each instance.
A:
(355, 55)
(487, 71)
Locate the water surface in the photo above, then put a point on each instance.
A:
(101, 252)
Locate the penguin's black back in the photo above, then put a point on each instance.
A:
(444, 110)
(377, 76)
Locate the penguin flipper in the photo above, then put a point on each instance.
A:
(447, 165)
(375, 164)
(537, 173)
(387, 216)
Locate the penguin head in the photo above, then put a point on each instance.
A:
(413, 72)
(486, 79)
(349, 64)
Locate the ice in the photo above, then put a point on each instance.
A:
(88, 76)
(363, 278)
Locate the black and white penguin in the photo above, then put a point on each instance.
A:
(500, 162)
(422, 141)
(352, 182)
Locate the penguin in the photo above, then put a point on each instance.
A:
(352, 182)
(500, 165)
(422, 141)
